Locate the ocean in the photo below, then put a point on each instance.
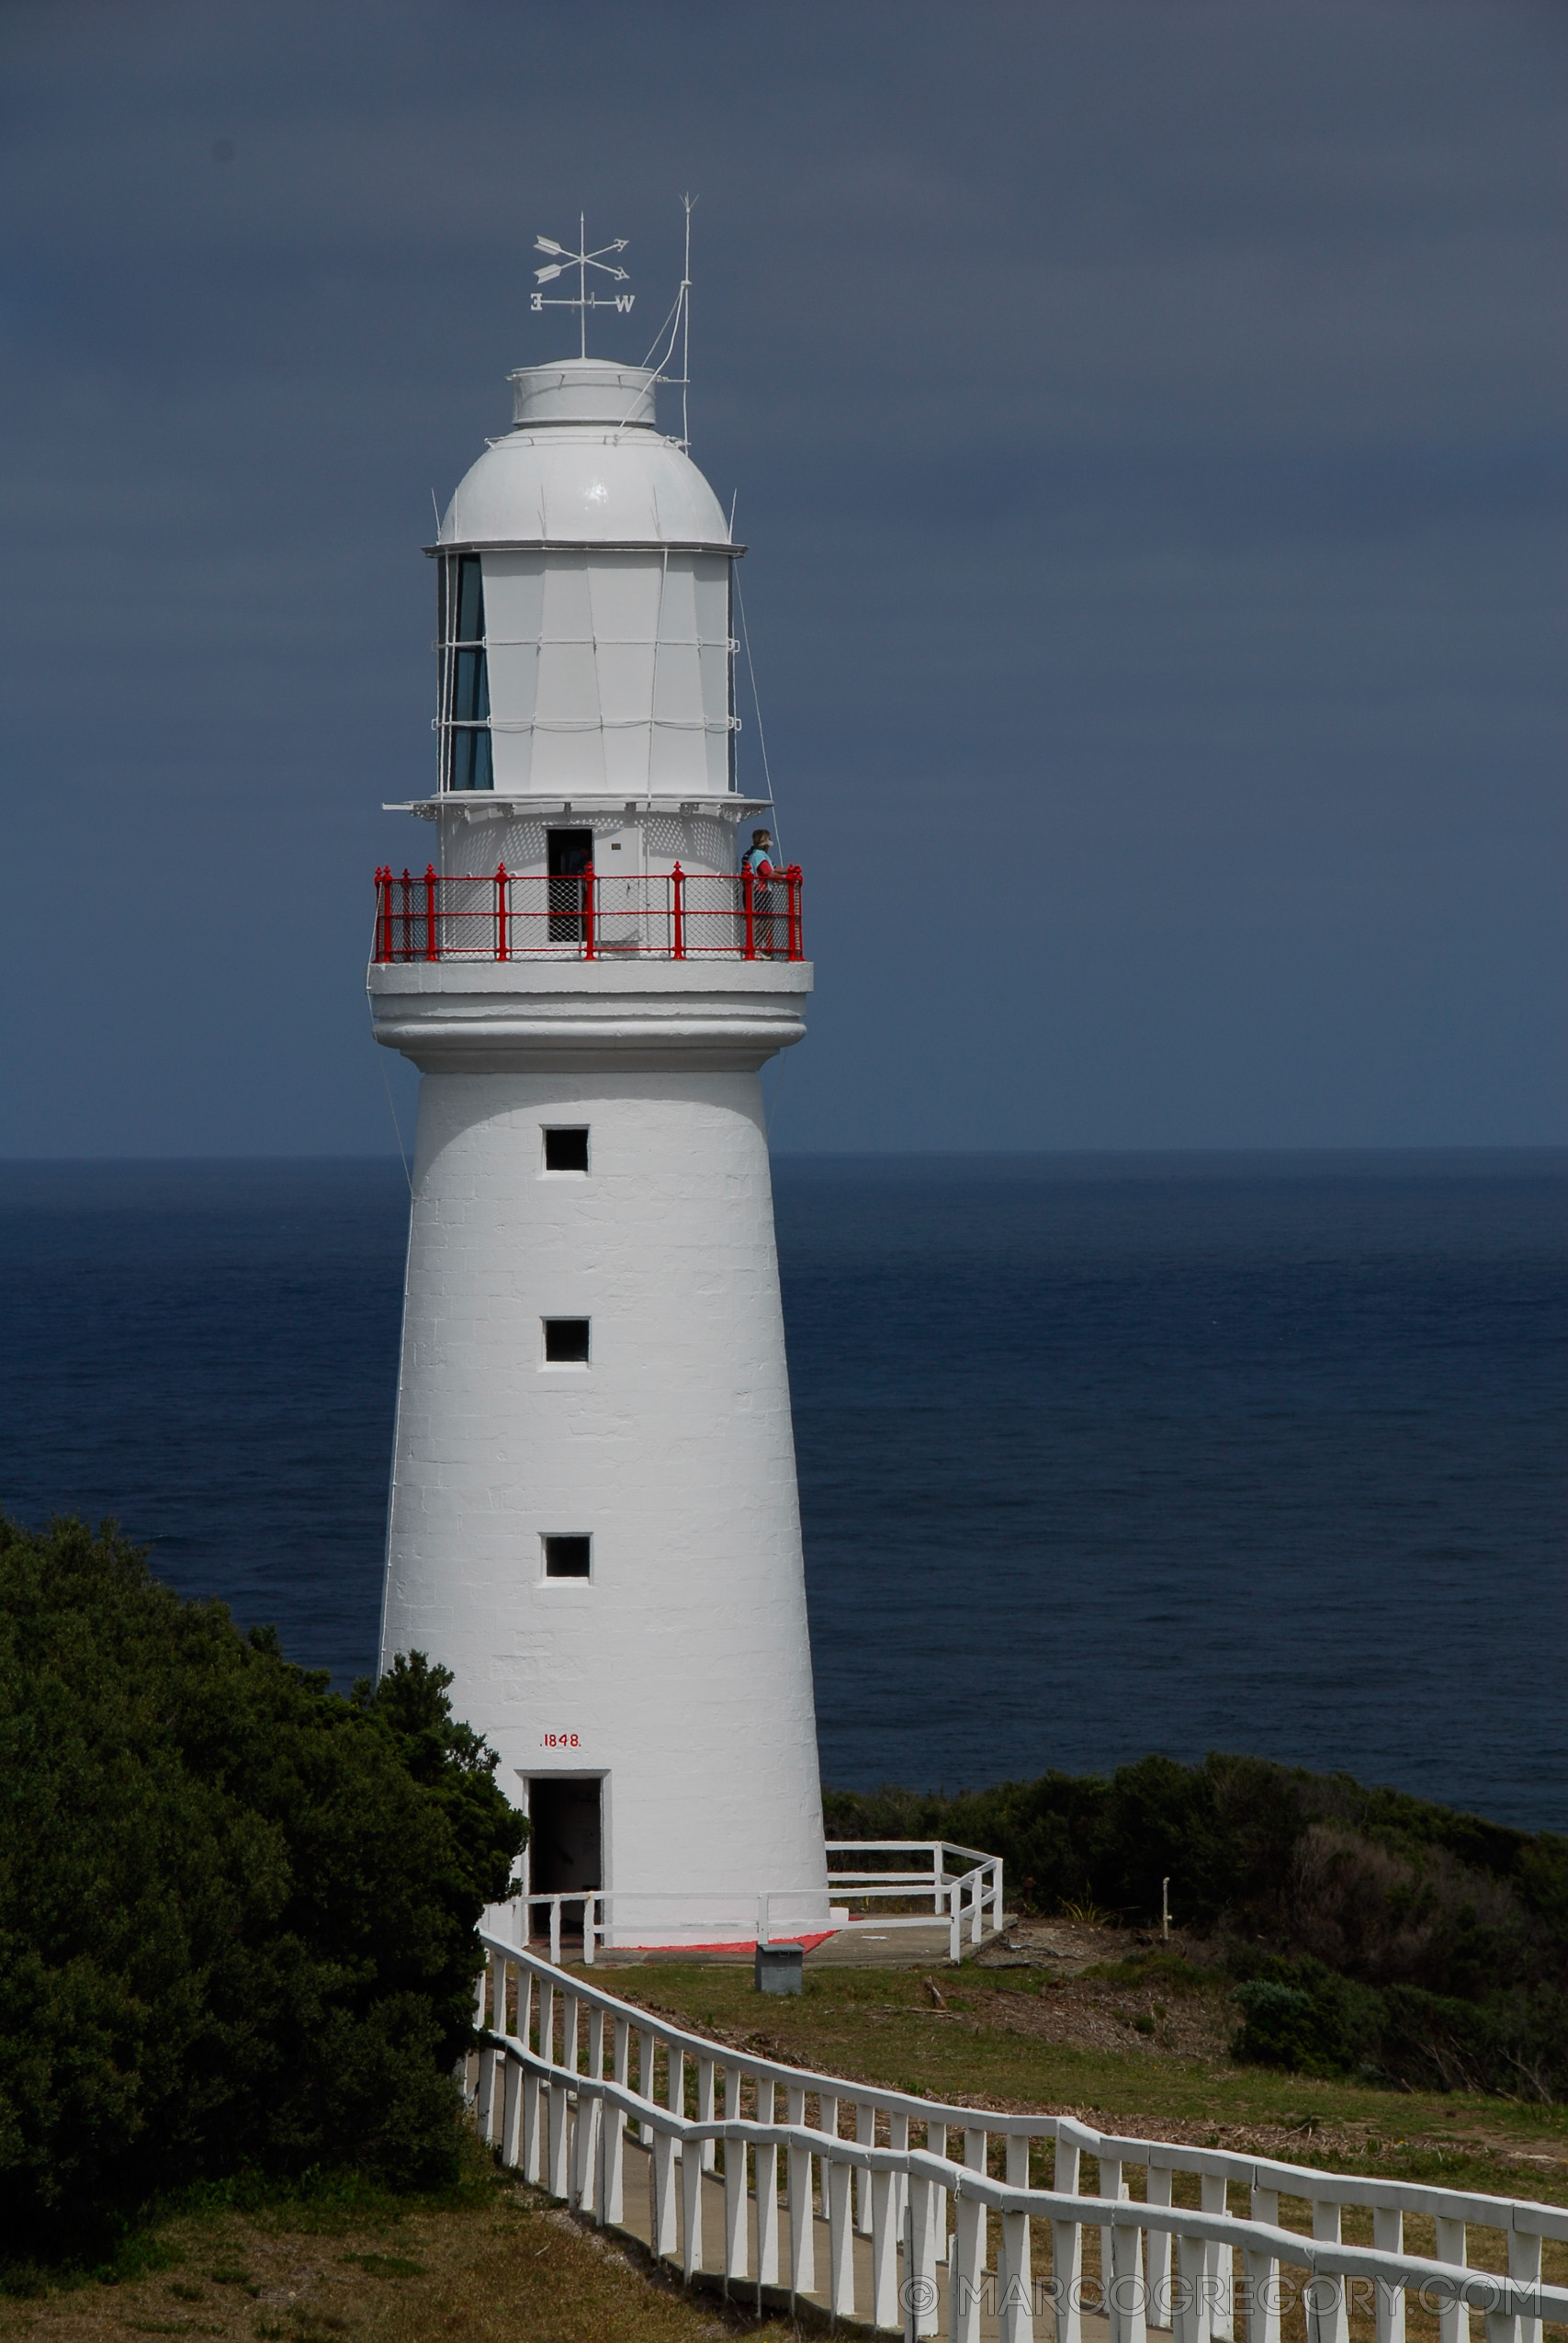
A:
(1098, 1454)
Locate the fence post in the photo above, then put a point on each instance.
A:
(690, 2210)
(1263, 2273)
(1453, 2319)
(1067, 2248)
(836, 2176)
(665, 2225)
(558, 2167)
(746, 884)
(1128, 2298)
(1213, 2197)
(501, 951)
(533, 2130)
(430, 951)
(1191, 2300)
(707, 2156)
(615, 2133)
(865, 2133)
(678, 906)
(767, 2167)
(736, 2202)
(588, 952)
(511, 2115)
(793, 882)
(967, 2268)
(802, 2237)
(1015, 2274)
(1328, 2317)
(1524, 2263)
(383, 918)
(1157, 2190)
(645, 2064)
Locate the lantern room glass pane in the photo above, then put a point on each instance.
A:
(471, 764)
(470, 601)
(471, 688)
(465, 675)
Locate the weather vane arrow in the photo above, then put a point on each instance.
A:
(582, 260)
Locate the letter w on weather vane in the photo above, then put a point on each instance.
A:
(582, 260)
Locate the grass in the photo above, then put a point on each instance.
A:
(490, 2261)
(883, 2026)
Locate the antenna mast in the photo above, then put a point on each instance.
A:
(690, 203)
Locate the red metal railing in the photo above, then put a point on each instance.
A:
(678, 915)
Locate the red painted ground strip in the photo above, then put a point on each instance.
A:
(806, 1945)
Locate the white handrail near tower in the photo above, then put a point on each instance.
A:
(968, 1902)
(705, 2153)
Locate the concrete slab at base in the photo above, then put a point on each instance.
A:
(847, 1948)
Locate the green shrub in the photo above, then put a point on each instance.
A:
(1371, 1932)
(1280, 2028)
(1301, 2015)
(236, 1912)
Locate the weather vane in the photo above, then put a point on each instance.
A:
(582, 260)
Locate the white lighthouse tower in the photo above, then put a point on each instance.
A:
(594, 1521)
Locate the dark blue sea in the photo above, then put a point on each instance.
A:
(1098, 1455)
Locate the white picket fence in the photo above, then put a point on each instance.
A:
(965, 1889)
(908, 2227)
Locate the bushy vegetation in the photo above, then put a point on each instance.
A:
(236, 1912)
(1368, 1932)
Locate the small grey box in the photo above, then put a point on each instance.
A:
(779, 1968)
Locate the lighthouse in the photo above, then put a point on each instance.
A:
(593, 1517)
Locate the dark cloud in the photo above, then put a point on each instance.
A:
(1144, 418)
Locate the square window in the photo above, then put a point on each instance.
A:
(566, 1150)
(568, 1558)
(565, 1342)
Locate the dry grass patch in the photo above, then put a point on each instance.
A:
(508, 2268)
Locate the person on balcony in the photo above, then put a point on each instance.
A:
(758, 860)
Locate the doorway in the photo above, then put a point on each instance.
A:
(569, 854)
(566, 1841)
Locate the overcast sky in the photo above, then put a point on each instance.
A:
(1147, 424)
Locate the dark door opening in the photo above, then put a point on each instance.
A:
(565, 1845)
(569, 853)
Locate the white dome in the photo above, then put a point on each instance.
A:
(578, 470)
